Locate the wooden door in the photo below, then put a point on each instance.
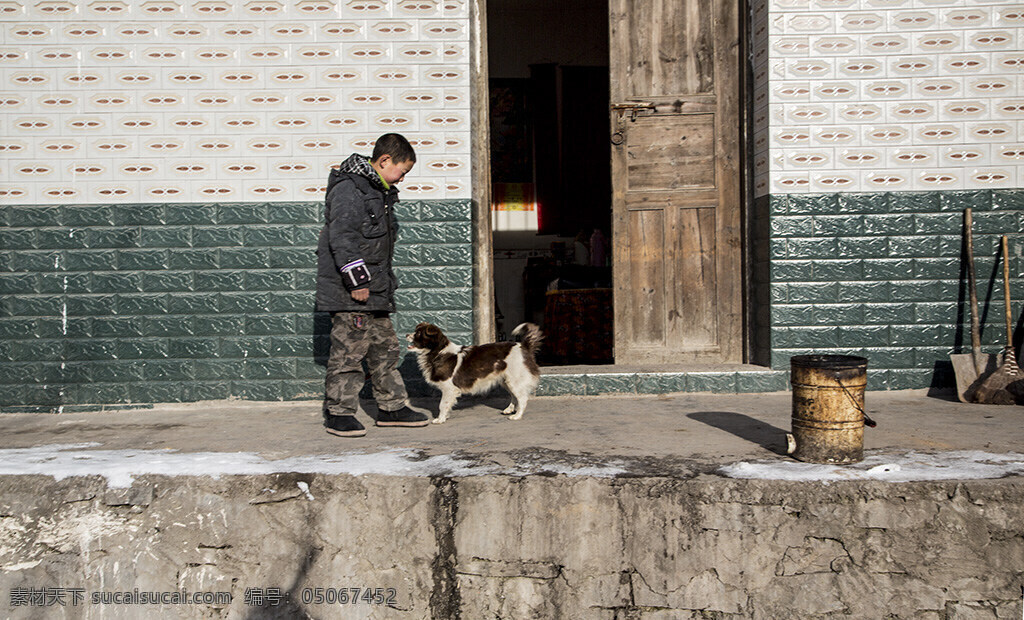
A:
(677, 254)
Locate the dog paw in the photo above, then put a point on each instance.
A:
(515, 417)
(437, 421)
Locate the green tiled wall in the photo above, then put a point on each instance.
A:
(120, 304)
(882, 276)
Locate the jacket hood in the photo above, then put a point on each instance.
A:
(359, 165)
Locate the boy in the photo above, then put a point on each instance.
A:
(356, 284)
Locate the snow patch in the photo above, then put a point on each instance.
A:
(120, 467)
(909, 467)
(305, 490)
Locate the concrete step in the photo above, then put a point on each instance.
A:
(616, 379)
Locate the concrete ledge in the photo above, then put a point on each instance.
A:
(514, 547)
(608, 508)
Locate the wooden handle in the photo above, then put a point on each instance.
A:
(973, 293)
(1006, 290)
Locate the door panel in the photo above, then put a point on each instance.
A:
(694, 316)
(673, 50)
(675, 83)
(647, 274)
(671, 152)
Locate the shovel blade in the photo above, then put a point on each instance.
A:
(967, 374)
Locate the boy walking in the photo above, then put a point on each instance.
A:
(356, 284)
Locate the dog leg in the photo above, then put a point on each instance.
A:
(448, 399)
(512, 405)
(520, 406)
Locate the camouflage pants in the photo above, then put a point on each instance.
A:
(357, 337)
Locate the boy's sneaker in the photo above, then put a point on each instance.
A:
(402, 417)
(344, 426)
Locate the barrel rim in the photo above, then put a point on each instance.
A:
(828, 361)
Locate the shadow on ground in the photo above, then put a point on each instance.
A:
(769, 437)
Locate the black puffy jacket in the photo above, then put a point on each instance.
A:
(359, 223)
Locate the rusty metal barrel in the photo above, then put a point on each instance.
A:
(828, 408)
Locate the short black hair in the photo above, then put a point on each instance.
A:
(395, 145)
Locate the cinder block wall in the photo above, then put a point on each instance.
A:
(121, 304)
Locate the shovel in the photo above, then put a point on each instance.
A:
(969, 366)
(991, 389)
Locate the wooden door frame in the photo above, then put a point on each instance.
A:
(484, 329)
(480, 154)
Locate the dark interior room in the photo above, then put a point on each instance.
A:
(551, 174)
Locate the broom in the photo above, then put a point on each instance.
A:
(992, 389)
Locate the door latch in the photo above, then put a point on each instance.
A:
(632, 107)
(622, 109)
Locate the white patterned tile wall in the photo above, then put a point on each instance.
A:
(199, 100)
(888, 95)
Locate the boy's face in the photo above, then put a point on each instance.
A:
(392, 171)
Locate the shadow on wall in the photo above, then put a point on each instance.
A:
(321, 337)
(285, 603)
(1018, 335)
(943, 377)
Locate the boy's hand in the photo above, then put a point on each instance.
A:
(361, 294)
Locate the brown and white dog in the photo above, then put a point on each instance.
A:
(457, 370)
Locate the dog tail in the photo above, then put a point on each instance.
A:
(530, 336)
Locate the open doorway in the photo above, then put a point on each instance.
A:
(551, 174)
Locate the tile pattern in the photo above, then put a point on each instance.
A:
(888, 95)
(167, 302)
(140, 101)
(605, 383)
